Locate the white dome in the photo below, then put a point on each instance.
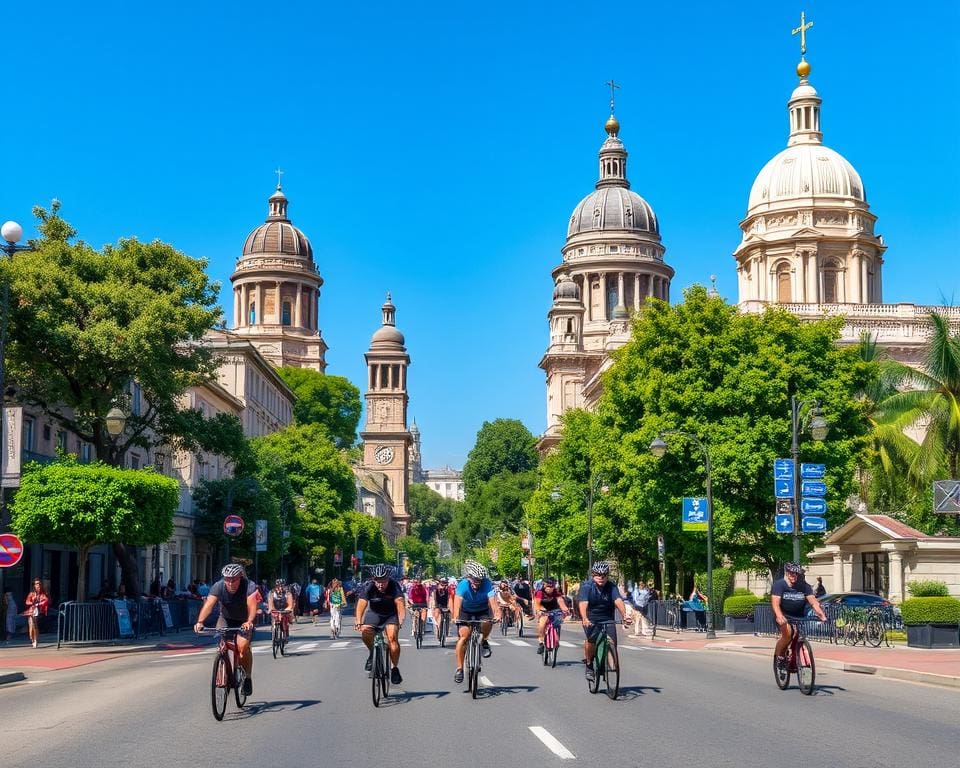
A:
(804, 171)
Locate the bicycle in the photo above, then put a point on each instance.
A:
(551, 637)
(798, 659)
(443, 628)
(507, 618)
(474, 655)
(417, 625)
(605, 663)
(380, 671)
(334, 621)
(227, 672)
(281, 632)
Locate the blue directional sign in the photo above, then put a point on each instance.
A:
(812, 524)
(783, 469)
(813, 488)
(813, 507)
(813, 471)
(784, 523)
(695, 513)
(783, 489)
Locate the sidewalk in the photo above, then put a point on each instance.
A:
(934, 666)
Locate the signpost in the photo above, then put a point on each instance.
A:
(813, 524)
(785, 523)
(695, 512)
(11, 550)
(233, 525)
(810, 502)
(813, 471)
(816, 488)
(946, 497)
(260, 535)
(813, 507)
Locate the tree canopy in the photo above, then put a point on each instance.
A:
(431, 512)
(332, 401)
(502, 445)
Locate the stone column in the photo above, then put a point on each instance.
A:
(297, 303)
(259, 307)
(620, 293)
(587, 295)
(838, 585)
(812, 296)
(278, 302)
(853, 264)
(896, 577)
(603, 296)
(864, 280)
(636, 291)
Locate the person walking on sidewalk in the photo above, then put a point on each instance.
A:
(36, 606)
(9, 607)
(641, 599)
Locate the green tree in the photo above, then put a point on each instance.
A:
(332, 401)
(85, 325)
(496, 505)
(82, 505)
(431, 512)
(502, 445)
(422, 555)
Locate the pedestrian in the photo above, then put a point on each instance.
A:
(9, 607)
(36, 606)
(821, 590)
(641, 600)
(698, 604)
(295, 588)
(203, 589)
(314, 591)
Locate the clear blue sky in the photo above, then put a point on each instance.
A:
(436, 150)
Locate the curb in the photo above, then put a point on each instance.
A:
(12, 677)
(890, 673)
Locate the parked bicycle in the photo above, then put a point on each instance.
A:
(797, 660)
(380, 670)
(605, 663)
(227, 672)
(551, 637)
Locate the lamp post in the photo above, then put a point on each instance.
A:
(659, 449)
(819, 428)
(10, 232)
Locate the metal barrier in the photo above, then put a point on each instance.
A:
(829, 631)
(99, 622)
(86, 623)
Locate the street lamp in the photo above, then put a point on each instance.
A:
(115, 420)
(10, 232)
(819, 428)
(659, 449)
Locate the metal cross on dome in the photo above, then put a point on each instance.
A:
(279, 173)
(613, 94)
(802, 31)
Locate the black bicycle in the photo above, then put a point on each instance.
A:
(443, 627)
(380, 670)
(474, 655)
(417, 624)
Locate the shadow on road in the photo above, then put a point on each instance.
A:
(500, 690)
(404, 697)
(258, 707)
(630, 692)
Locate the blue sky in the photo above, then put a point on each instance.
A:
(436, 150)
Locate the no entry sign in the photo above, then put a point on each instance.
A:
(11, 550)
(233, 525)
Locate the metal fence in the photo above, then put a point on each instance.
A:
(833, 629)
(108, 621)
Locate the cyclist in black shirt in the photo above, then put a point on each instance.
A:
(598, 602)
(789, 598)
(237, 596)
(380, 606)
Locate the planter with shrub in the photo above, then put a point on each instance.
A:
(931, 617)
(738, 613)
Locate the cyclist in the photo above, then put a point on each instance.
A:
(548, 605)
(237, 596)
(335, 599)
(474, 600)
(380, 606)
(521, 588)
(507, 602)
(280, 605)
(417, 600)
(441, 599)
(314, 600)
(789, 597)
(598, 602)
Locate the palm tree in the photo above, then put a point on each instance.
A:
(929, 400)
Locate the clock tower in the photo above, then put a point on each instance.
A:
(386, 439)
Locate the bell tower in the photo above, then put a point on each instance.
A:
(386, 438)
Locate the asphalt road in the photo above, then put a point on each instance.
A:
(676, 708)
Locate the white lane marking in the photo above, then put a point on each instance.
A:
(551, 743)
(35, 682)
(524, 643)
(486, 681)
(306, 647)
(406, 642)
(567, 644)
(493, 642)
(340, 644)
(263, 649)
(182, 655)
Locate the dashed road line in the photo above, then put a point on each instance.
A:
(523, 643)
(552, 743)
(486, 681)
(340, 644)
(568, 644)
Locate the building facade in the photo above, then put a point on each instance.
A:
(447, 482)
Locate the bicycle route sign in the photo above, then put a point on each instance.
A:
(784, 523)
(11, 550)
(233, 525)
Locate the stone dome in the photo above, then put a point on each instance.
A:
(566, 289)
(386, 334)
(613, 208)
(805, 171)
(277, 236)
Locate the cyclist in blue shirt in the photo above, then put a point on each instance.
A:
(314, 591)
(474, 600)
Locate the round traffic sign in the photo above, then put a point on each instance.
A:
(11, 550)
(233, 525)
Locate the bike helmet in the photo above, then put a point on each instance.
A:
(381, 571)
(442, 580)
(473, 570)
(793, 568)
(232, 570)
(280, 583)
(601, 568)
(549, 582)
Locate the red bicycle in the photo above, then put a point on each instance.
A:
(227, 672)
(551, 637)
(798, 660)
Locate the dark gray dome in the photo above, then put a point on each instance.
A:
(614, 209)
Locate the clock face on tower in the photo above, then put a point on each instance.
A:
(383, 454)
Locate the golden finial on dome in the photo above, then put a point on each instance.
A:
(803, 68)
(613, 125)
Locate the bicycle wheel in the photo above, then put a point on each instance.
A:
(238, 677)
(806, 671)
(782, 674)
(520, 625)
(283, 643)
(504, 624)
(375, 677)
(219, 686)
(276, 639)
(852, 636)
(444, 629)
(474, 683)
(874, 633)
(612, 671)
(418, 631)
(385, 670)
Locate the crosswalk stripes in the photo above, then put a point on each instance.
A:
(523, 643)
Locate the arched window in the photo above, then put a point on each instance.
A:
(569, 326)
(784, 284)
(285, 313)
(253, 313)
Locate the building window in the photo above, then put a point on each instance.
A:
(46, 433)
(285, 313)
(253, 313)
(784, 287)
(29, 425)
(134, 461)
(86, 453)
(62, 440)
(135, 397)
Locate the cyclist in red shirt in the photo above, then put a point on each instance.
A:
(417, 599)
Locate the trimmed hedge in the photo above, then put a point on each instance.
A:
(931, 610)
(741, 591)
(740, 606)
(928, 589)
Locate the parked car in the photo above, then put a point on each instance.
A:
(843, 600)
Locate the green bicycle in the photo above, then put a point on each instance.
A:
(605, 663)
